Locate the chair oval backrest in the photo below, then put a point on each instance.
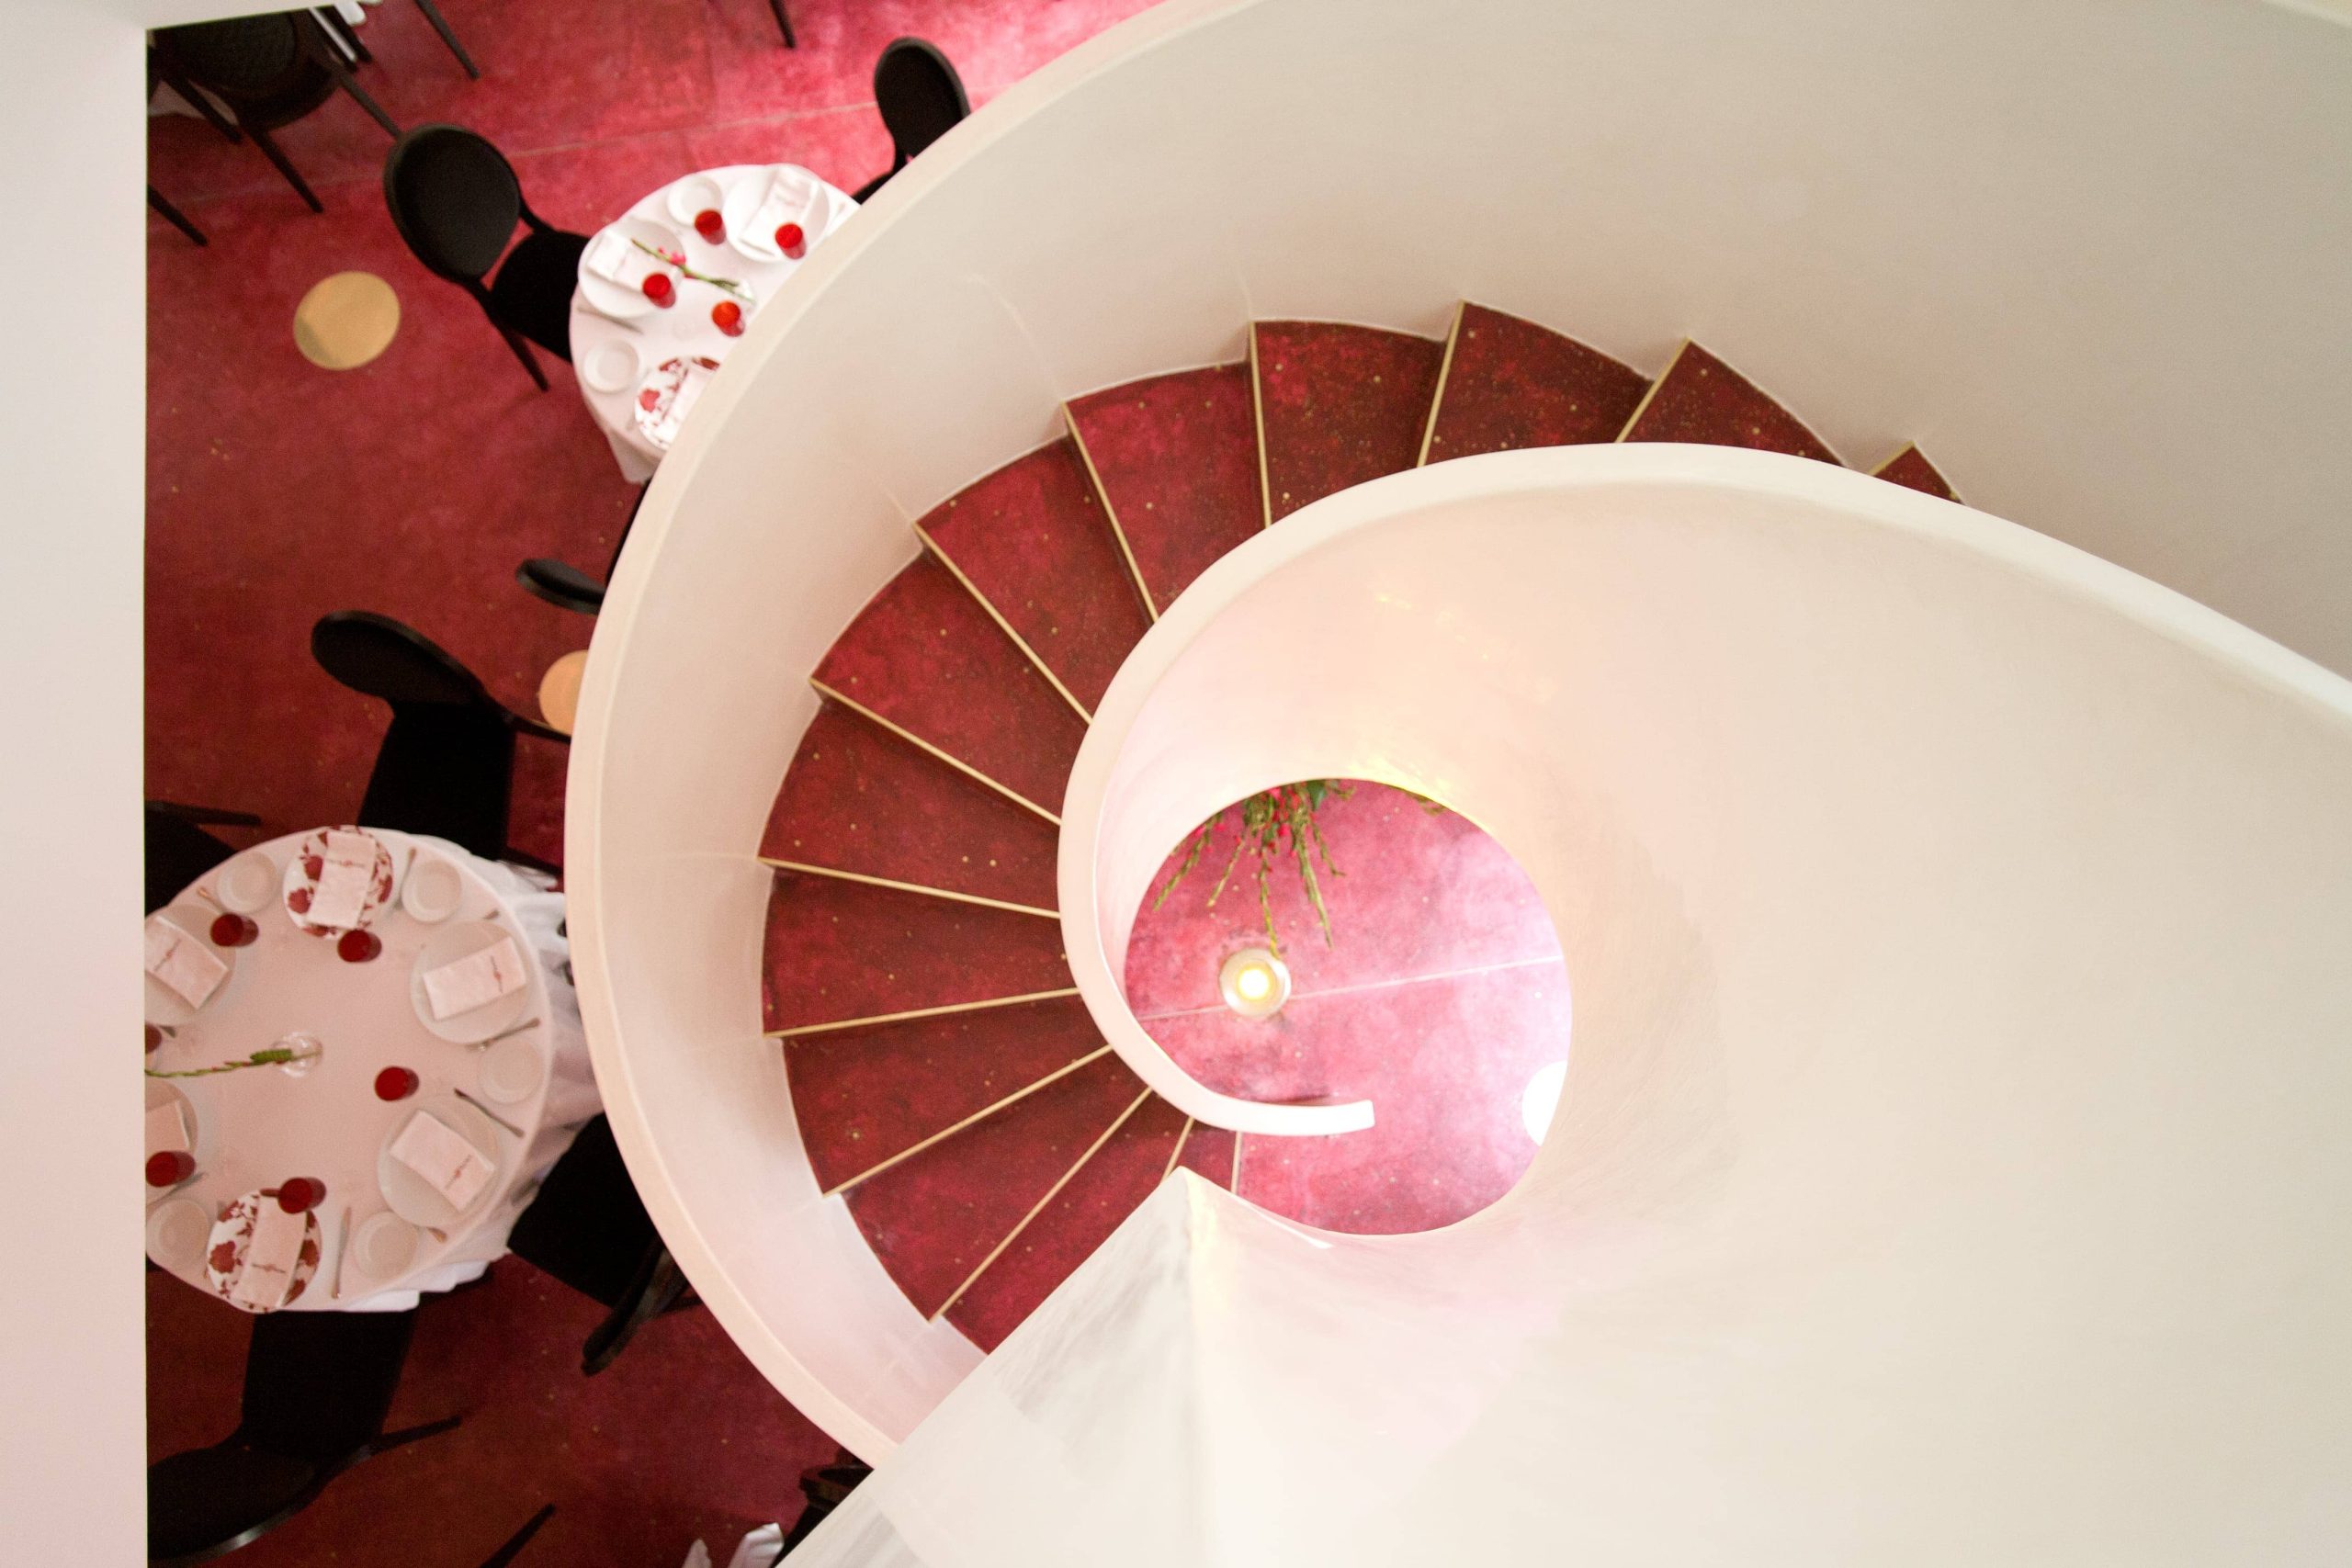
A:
(454, 197)
(919, 94)
(244, 58)
(379, 656)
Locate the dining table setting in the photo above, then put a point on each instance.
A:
(363, 1053)
(666, 289)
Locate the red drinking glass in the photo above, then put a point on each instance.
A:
(358, 946)
(395, 1083)
(659, 290)
(728, 316)
(301, 1194)
(170, 1168)
(233, 931)
(710, 226)
(791, 240)
(154, 1038)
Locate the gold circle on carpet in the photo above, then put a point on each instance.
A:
(559, 691)
(346, 321)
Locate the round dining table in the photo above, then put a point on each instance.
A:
(443, 995)
(622, 341)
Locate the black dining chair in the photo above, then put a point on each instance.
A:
(269, 70)
(347, 36)
(174, 216)
(446, 766)
(588, 1228)
(519, 1539)
(455, 199)
(179, 849)
(783, 24)
(825, 1487)
(566, 587)
(920, 97)
(318, 1387)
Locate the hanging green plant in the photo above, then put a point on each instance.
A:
(1277, 824)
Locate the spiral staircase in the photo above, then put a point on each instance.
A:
(948, 1082)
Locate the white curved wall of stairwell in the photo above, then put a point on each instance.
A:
(2089, 256)
(1950, 1166)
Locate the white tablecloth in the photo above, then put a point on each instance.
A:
(684, 328)
(257, 1127)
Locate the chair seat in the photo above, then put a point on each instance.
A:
(532, 292)
(209, 1499)
(446, 770)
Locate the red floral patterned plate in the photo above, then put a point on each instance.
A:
(224, 1251)
(302, 880)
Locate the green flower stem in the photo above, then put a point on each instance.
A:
(271, 1057)
(728, 284)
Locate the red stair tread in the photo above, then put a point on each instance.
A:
(859, 798)
(841, 950)
(1178, 458)
(925, 656)
(1911, 469)
(864, 1095)
(934, 1219)
(1083, 1215)
(1341, 404)
(1700, 398)
(1511, 384)
(1208, 1154)
(1033, 541)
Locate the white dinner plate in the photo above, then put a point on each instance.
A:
(513, 1069)
(612, 365)
(176, 1229)
(446, 946)
(164, 1004)
(411, 1196)
(301, 880)
(247, 883)
(433, 889)
(224, 1251)
(612, 299)
(166, 1091)
(695, 194)
(382, 1248)
(815, 211)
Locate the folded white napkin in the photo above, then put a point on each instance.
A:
(691, 384)
(270, 1256)
(166, 1129)
(790, 198)
(448, 1164)
(188, 968)
(612, 257)
(344, 880)
(476, 979)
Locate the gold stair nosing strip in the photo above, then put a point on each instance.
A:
(858, 876)
(1650, 396)
(980, 1116)
(1444, 370)
(1039, 1207)
(911, 738)
(1177, 1153)
(797, 1029)
(1235, 1188)
(1258, 414)
(1094, 476)
(981, 599)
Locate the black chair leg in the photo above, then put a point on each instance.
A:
(269, 151)
(194, 96)
(433, 14)
(408, 1435)
(520, 1538)
(784, 23)
(523, 352)
(178, 219)
(343, 34)
(657, 1288)
(375, 111)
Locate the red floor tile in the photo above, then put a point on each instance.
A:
(934, 1219)
(859, 798)
(1911, 469)
(864, 1095)
(1032, 540)
(1700, 398)
(1511, 384)
(1065, 1233)
(841, 950)
(1341, 404)
(1178, 458)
